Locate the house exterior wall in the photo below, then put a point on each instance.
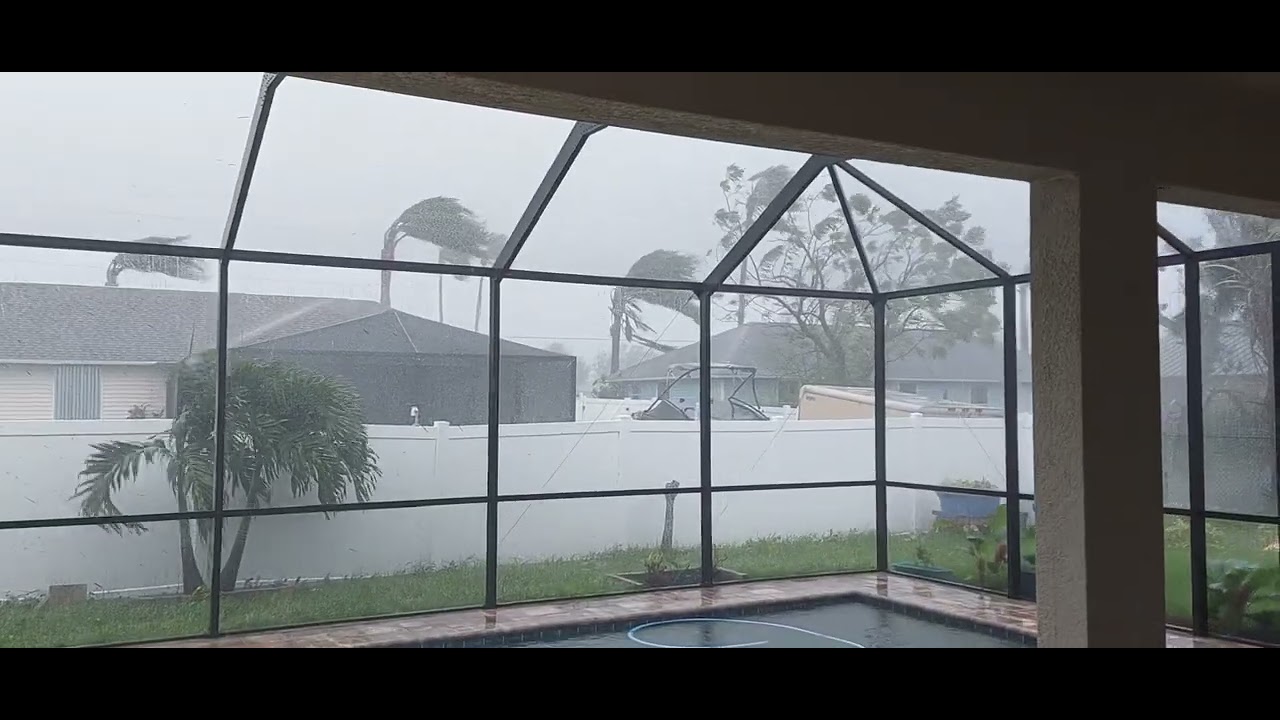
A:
(956, 391)
(124, 387)
(963, 391)
(26, 392)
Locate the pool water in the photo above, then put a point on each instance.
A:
(847, 625)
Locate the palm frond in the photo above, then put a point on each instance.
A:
(298, 423)
(448, 224)
(665, 265)
(659, 264)
(108, 468)
(285, 423)
(182, 268)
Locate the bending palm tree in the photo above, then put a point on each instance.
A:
(496, 241)
(625, 303)
(449, 225)
(284, 423)
(183, 268)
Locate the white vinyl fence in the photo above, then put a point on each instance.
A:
(39, 462)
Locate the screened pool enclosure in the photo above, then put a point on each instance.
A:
(542, 236)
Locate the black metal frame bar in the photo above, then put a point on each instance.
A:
(987, 263)
(1002, 494)
(956, 287)
(1012, 428)
(776, 208)
(494, 425)
(219, 460)
(853, 230)
(717, 281)
(794, 292)
(627, 282)
(244, 178)
(706, 535)
(1195, 448)
(373, 505)
(1275, 353)
(1232, 251)
(1222, 515)
(578, 135)
(249, 162)
(881, 432)
(1174, 241)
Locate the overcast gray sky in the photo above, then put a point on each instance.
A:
(123, 156)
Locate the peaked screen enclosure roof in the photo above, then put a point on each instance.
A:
(525, 195)
(493, 190)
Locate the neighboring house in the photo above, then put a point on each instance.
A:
(1238, 416)
(970, 372)
(70, 352)
(1235, 362)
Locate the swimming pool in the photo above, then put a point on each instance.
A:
(845, 625)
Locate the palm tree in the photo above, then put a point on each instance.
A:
(449, 225)
(625, 304)
(496, 241)
(284, 423)
(183, 268)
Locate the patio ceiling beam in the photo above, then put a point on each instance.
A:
(986, 262)
(253, 144)
(546, 189)
(766, 219)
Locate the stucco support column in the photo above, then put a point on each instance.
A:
(1095, 349)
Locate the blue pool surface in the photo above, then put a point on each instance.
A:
(847, 625)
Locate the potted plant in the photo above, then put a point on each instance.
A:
(966, 508)
(661, 570)
(923, 566)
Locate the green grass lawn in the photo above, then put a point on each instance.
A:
(462, 585)
(1227, 540)
(948, 548)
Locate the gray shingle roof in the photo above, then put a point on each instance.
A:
(78, 323)
(772, 349)
(397, 332)
(1236, 354)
